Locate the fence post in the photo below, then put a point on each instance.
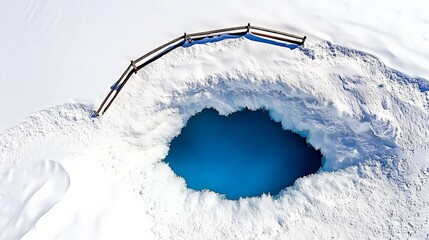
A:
(185, 37)
(134, 66)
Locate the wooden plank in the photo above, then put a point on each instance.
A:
(117, 92)
(278, 38)
(158, 48)
(156, 57)
(217, 35)
(111, 91)
(277, 32)
(197, 34)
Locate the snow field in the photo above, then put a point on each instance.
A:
(369, 121)
(56, 52)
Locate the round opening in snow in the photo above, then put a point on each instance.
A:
(244, 154)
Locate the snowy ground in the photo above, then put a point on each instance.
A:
(77, 48)
(80, 178)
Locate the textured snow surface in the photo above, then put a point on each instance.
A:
(53, 52)
(369, 121)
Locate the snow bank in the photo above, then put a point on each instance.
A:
(367, 119)
(23, 202)
(76, 49)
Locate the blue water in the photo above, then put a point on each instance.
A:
(242, 155)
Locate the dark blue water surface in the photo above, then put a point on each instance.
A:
(242, 155)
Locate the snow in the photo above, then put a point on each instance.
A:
(24, 202)
(359, 113)
(65, 175)
(77, 49)
(94, 209)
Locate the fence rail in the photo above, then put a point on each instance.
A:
(164, 49)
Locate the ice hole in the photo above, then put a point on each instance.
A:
(244, 154)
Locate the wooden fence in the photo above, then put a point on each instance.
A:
(162, 50)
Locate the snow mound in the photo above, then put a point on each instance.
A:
(369, 121)
(23, 202)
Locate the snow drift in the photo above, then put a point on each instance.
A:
(369, 121)
(78, 47)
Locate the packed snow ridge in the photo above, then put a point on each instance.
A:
(369, 121)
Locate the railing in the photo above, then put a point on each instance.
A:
(162, 50)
